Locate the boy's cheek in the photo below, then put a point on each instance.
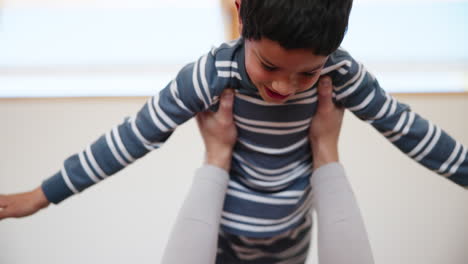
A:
(258, 76)
(313, 83)
(307, 84)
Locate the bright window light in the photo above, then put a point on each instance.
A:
(52, 48)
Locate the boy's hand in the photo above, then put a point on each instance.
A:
(326, 124)
(219, 131)
(22, 204)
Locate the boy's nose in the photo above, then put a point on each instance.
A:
(284, 86)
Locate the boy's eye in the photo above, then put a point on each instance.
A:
(309, 74)
(268, 68)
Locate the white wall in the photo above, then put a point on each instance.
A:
(412, 215)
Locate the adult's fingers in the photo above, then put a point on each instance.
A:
(199, 117)
(325, 91)
(226, 105)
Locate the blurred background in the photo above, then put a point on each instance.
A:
(134, 48)
(72, 69)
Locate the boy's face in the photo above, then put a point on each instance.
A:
(278, 73)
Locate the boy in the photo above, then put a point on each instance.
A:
(285, 47)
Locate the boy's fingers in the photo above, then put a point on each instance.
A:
(3, 201)
(3, 213)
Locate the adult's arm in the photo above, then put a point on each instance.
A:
(342, 236)
(194, 236)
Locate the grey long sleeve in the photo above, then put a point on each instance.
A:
(342, 237)
(195, 234)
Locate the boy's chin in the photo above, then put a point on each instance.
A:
(268, 99)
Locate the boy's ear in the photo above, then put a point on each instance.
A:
(238, 3)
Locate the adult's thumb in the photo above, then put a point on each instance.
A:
(325, 93)
(226, 103)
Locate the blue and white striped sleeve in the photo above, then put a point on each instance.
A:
(420, 139)
(193, 90)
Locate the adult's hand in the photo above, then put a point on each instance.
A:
(219, 131)
(326, 125)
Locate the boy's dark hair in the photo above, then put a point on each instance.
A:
(318, 25)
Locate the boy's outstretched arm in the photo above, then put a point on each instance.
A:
(128, 141)
(115, 150)
(421, 140)
(342, 236)
(195, 232)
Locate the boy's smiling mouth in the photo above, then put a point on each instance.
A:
(274, 95)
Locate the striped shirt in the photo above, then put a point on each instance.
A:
(269, 190)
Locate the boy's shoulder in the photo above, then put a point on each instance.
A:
(216, 61)
(339, 59)
(227, 50)
(342, 67)
(213, 72)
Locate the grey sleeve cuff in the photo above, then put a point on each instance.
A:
(328, 172)
(212, 174)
